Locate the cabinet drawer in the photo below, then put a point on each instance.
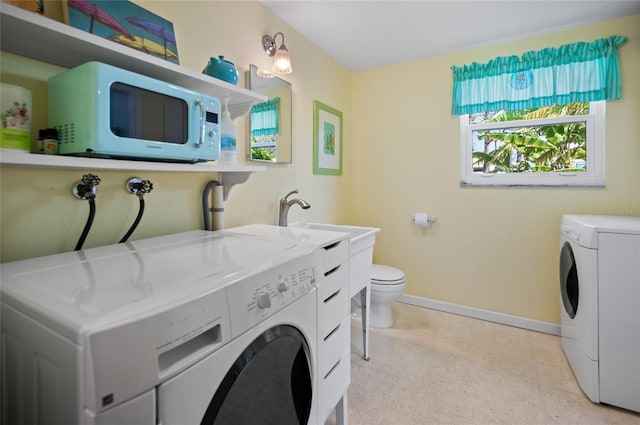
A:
(333, 346)
(334, 384)
(334, 254)
(332, 310)
(333, 279)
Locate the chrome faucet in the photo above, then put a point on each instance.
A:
(286, 203)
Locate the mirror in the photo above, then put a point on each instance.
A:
(270, 121)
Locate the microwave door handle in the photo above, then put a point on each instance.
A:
(202, 121)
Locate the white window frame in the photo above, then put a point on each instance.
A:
(594, 176)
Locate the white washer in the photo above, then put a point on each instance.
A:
(600, 306)
(334, 330)
(193, 328)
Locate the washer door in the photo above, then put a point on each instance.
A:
(269, 383)
(569, 287)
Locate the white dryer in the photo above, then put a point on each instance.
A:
(600, 305)
(193, 328)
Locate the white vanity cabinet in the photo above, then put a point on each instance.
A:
(361, 244)
(334, 330)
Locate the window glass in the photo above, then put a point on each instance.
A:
(559, 145)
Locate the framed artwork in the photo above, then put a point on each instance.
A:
(125, 23)
(36, 6)
(327, 139)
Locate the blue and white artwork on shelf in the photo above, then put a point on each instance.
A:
(125, 23)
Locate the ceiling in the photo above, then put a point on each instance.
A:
(363, 34)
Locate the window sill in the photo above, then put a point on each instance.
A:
(532, 180)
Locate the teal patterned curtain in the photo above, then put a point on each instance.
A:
(577, 72)
(265, 118)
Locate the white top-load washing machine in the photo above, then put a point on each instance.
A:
(192, 328)
(600, 305)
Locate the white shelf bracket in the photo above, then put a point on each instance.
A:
(228, 180)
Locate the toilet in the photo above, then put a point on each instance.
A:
(387, 285)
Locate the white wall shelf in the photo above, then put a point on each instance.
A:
(229, 175)
(44, 39)
(41, 38)
(18, 158)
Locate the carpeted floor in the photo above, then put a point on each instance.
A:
(439, 368)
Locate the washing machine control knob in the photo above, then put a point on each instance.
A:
(263, 301)
(282, 286)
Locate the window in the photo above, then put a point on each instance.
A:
(547, 127)
(559, 145)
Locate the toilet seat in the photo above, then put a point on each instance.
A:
(386, 275)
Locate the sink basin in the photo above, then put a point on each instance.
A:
(361, 241)
(357, 235)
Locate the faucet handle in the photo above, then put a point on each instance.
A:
(290, 193)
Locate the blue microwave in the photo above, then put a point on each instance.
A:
(103, 111)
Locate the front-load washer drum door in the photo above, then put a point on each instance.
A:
(569, 286)
(269, 384)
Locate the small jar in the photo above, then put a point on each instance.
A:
(48, 141)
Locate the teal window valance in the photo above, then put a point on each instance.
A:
(577, 72)
(265, 118)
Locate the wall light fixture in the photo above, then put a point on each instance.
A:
(282, 61)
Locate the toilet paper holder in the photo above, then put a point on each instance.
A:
(423, 219)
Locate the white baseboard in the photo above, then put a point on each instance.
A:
(478, 313)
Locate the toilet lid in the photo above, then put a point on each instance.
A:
(386, 275)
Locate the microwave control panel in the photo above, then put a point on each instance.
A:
(212, 125)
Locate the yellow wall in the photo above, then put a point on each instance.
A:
(492, 248)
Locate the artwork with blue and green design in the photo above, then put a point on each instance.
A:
(329, 146)
(125, 23)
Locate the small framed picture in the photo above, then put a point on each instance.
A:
(327, 139)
